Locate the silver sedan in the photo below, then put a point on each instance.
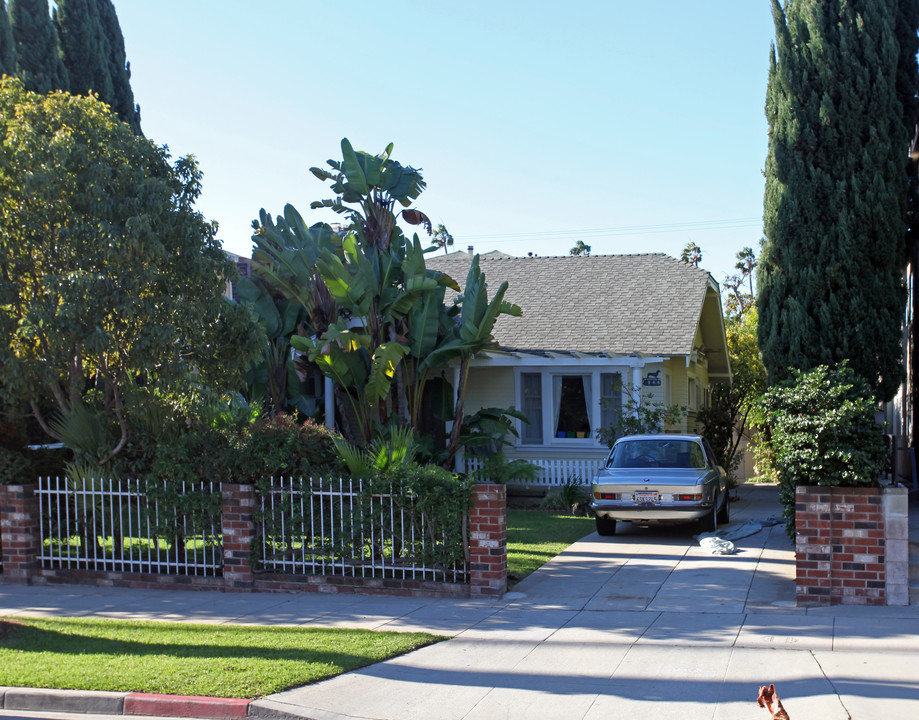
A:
(660, 479)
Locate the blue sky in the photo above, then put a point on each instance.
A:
(633, 126)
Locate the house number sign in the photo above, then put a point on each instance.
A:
(652, 379)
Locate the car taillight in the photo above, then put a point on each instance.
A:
(692, 498)
(606, 496)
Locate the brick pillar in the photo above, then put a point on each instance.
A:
(840, 546)
(238, 528)
(20, 533)
(488, 541)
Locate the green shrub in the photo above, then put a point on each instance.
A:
(823, 432)
(570, 497)
(14, 467)
(496, 468)
(433, 496)
(279, 446)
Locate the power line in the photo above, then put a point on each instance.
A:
(733, 223)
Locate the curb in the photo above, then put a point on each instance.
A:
(123, 703)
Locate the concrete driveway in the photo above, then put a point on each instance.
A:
(645, 625)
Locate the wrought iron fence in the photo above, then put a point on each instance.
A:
(350, 527)
(121, 526)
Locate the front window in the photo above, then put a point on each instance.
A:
(531, 402)
(662, 453)
(571, 394)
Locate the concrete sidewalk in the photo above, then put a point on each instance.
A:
(640, 625)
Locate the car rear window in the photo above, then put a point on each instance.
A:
(658, 454)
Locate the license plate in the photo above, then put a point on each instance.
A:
(647, 498)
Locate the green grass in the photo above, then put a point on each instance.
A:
(534, 538)
(185, 659)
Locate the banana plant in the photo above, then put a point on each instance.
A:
(376, 319)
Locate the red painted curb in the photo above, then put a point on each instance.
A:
(185, 706)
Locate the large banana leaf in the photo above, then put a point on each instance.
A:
(382, 369)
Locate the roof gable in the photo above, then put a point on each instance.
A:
(650, 303)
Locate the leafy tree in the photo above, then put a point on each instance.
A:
(739, 302)
(691, 254)
(38, 56)
(729, 414)
(7, 46)
(830, 275)
(442, 238)
(580, 248)
(111, 280)
(378, 325)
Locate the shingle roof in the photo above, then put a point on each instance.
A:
(649, 304)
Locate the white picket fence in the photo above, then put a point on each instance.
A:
(552, 471)
(109, 525)
(339, 527)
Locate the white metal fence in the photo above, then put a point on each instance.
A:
(345, 527)
(116, 526)
(552, 471)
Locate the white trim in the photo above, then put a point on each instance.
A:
(548, 368)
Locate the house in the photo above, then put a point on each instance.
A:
(594, 328)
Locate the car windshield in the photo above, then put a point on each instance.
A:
(657, 454)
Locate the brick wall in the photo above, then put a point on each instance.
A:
(238, 529)
(19, 532)
(488, 541)
(21, 541)
(840, 546)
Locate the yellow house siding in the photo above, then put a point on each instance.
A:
(490, 387)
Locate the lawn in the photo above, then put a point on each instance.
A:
(534, 538)
(183, 659)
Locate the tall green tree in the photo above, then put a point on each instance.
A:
(109, 277)
(92, 47)
(38, 56)
(840, 105)
(378, 325)
(7, 46)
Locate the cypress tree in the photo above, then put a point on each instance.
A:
(830, 277)
(7, 48)
(119, 69)
(38, 57)
(93, 51)
(84, 48)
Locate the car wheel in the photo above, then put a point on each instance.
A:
(708, 523)
(605, 526)
(724, 514)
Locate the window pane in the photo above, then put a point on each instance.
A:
(571, 406)
(531, 401)
(610, 398)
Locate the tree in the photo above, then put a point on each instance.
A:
(92, 47)
(38, 57)
(739, 302)
(378, 325)
(111, 280)
(830, 275)
(691, 254)
(580, 248)
(727, 418)
(7, 45)
(122, 101)
(442, 238)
